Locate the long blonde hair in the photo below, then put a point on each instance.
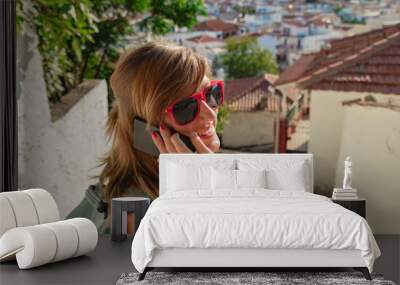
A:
(145, 81)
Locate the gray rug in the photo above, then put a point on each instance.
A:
(269, 278)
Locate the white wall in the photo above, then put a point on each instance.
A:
(207, 45)
(326, 120)
(57, 156)
(210, 49)
(315, 42)
(335, 134)
(383, 20)
(248, 128)
(371, 136)
(296, 30)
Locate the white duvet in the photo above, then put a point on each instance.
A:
(253, 218)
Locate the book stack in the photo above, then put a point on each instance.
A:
(345, 194)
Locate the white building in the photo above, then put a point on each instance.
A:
(269, 41)
(208, 46)
(253, 116)
(355, 111)
(314, 43)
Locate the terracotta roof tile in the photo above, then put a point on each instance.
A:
(216, 25)
(204, 39)
(251, 94)
(367, 62)
(238, 87)
(297, 70)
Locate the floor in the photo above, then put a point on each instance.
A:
(389, 262)
(110, 260)
(102, 266)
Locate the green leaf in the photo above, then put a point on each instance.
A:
(77, 48)
(223, 118)
(72, 12)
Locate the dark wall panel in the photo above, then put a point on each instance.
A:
(8, 99)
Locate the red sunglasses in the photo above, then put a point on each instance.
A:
(185, 111)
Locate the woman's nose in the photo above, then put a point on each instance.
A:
(207, 113)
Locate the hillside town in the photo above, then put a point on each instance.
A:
(337, 89)
(286, 28)
(297, 34)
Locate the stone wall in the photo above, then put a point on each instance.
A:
(59, 147)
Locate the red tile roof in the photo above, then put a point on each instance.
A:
(204, 39)
(368, 62)
(216, 25)
(236, 88)
(246, 36)
(250, 94)
(297, 70)
(292, 93)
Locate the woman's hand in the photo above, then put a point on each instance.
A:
(167, 143)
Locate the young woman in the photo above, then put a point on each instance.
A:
(168, 86)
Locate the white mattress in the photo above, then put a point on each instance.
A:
(250, 219)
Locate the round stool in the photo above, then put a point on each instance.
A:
(120, 208)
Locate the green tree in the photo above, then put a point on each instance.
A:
(244, 10)
(82, 39)
(245, 58)
(337, 8)
(166, 14)
(63, 27)
(223, 118)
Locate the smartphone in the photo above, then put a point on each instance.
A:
(143, 141)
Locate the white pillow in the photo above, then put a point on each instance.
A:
(182, 177)
(203, 160)
(251, 178)
(227, 179)
(281, 174)
(223, 179)
(294, 178)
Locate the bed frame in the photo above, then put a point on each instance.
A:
(249, 258)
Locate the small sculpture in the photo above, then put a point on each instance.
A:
(347, 174)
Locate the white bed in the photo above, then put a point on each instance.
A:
(210, 226)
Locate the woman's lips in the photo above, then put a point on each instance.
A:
(207, 133)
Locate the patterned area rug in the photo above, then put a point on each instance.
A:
(269, 278)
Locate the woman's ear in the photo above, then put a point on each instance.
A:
(167, 122)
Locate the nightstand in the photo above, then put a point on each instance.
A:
(358, 206)
(127, 212)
